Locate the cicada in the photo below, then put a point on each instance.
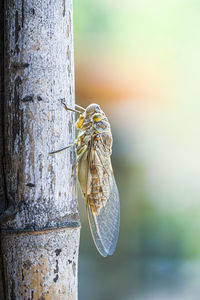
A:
(95, 175)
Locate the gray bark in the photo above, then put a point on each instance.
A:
(2, 177)
(40, 228)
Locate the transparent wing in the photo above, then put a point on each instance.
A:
(105, 225)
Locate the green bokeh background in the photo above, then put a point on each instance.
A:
(139, 59)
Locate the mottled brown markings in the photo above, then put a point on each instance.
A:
(74, 268)
(32, 11)
(70, 127)
(30, 184)
(58, 251)
(69, 69)
(18, 66)
(40, 167)
(64, 8)
(27, 264)
(69, 25)
(30, 116)
(22, 275)
(28, 98)
(21, 114)
(18, 81)
(32, 294)
(17, 113)
(22, 13)
(22, 55)
(70, 19)
(17, 49)
(12, 295)
(39, 98)
(71, 157)
(17, 29)
(36, 46)
(18, 184)
(93, 169)
(68, 30)
(68, 52)
(57, 268)
(56, 278)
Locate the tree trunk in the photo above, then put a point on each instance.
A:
(40, 228)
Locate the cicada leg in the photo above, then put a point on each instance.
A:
(80, 155)
(59, 150)
(79, 109)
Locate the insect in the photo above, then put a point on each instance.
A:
(95, 175)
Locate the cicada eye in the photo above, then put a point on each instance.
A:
(80, 121)
(97, 117)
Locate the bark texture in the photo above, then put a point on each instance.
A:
(2, 177)
(41, 265)
(2, 183)
(40, 230)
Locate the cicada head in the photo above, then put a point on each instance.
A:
(92, 109)
(94, 113)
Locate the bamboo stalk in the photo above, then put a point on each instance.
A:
(2, 182)
(40, 236)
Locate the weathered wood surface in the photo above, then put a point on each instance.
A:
(43, 216)
(2, 183)
(42, 266)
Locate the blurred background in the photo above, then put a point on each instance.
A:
(139, 59)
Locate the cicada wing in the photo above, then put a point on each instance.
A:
(105, 225)
(95, 235)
